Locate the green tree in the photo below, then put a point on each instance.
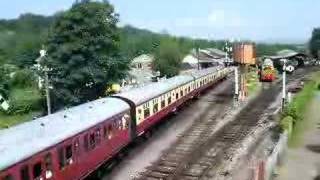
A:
(26, 54)
(315, 42)
(83, 53)
(168, 58)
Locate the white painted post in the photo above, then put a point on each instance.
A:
(284, 84)
(3, 103)
(43, 53)
(236, 81)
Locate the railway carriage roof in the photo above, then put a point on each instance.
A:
(204, 72)
(145, 93)
(22, 141)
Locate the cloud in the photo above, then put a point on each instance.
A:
(217, 18)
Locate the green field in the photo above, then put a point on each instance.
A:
(12, 120)
(26, 104)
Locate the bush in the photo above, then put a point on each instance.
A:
(292, 111)
(287, 124)
(22, 79)
(298, 106)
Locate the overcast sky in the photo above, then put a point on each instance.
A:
(271, 20)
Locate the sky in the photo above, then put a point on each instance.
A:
(258, 20)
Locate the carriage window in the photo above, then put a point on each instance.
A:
(119, 124)
(116, 124)
(181, 93)
(105, 132)
(24, 173)
(189, 89)
(155, 107)
(61, 158)
(8, 177)
(110, 131)
(125, 121)
(146, 113)
(163, 103)
(146, 110)
(98, 135)
(92, 140)
(37, 170)
(177, 95)
(169, 100)
(69, 154)
(76, 146)
(48, 161)
(86, 143)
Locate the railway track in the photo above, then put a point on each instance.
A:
(198, 153)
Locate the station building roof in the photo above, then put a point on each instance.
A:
(286, 54)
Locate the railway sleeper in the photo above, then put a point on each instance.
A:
(169, 163)
(195, 170)
(154, 174)
(163, 169)
(174, 156)
(189, 178)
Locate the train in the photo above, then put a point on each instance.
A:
(73, 143)
(267, 71)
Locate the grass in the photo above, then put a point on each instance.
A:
(253, 82)
(25, 94)
(12, 120)
(26, 105)
(298, 110)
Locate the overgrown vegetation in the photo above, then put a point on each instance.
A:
(297, 107)
(253, 82)
(294, 113)
(7, 121)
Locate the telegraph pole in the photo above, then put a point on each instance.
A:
(284, 83)
(43, 53)
(197, 51)
(236, 81)
(47, 92)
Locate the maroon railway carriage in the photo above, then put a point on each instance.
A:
(66, 145)
(71, 144)
(151, 103)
